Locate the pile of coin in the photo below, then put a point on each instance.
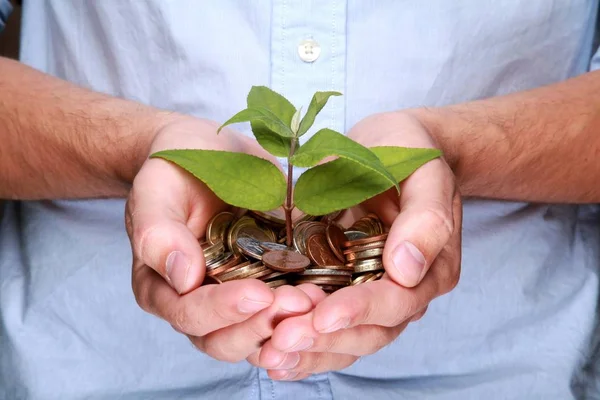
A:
(252, 246)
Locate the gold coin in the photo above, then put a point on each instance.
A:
(368, 240)
(368, 246)
(374, 277)
(361, 278)
(217, 227)
(273, 217)
(260, 274)
(231, 267)
(274, 274)
(299, 244)
(232, 261)
(325, 280)
(241, 273)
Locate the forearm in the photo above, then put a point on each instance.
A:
(58, 140)
(538, 145)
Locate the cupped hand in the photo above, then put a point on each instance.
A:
(421, 257)
(166, 213)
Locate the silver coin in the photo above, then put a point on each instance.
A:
(250, 247)
(215, 262)
(325, 272)
(270, 246)
(355, 235)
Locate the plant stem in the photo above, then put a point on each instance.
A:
(289, 206)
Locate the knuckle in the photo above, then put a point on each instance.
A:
(332, 342)
(439, 219)
(453, 280)
(141, 233)
(448, 273)
(181, 319)
(379, 338)
(361, 305)
(397, 306)
(256, 336)
(198, 342)
(218, 350)
(143, 295)
(314, 362)
(224, 313)
(408, 308)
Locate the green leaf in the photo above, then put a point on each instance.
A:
(327, 142)
(263, 115)
(270, 141)
(295, 125)
(263, 97)
(239, 179)
(340, 184)
(401, 162)
(316, 105)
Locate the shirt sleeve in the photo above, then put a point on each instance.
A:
(5, 9)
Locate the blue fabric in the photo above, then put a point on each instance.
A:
(519, 324)
(5, 10)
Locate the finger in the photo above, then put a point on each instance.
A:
(165, 221)
(236, 342)
(298, 334)
(424, 225)
(281, 375)
(313, 363)
(382, 302)
(315, 293)
(205, 309)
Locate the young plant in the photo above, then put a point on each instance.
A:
(357, 174)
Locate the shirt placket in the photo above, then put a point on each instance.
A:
(308, 54)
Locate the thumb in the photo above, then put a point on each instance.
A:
(169, 247)
(164, 220)
(424, 225)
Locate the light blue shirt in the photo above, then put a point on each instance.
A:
(519, 324)
(5, 9)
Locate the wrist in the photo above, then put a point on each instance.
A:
(435, 122)
(145, 124)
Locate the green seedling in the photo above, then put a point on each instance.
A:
(355, 174)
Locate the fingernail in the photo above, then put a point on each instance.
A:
(304, 343)
(409, 262)
(341, 323)
(249, 306)
(290, 360)
(178, 266)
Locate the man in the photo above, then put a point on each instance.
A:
(518, 325)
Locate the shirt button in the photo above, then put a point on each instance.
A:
(309, 50)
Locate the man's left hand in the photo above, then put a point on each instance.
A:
(421, 257)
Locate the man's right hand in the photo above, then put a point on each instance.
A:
(167, 211)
